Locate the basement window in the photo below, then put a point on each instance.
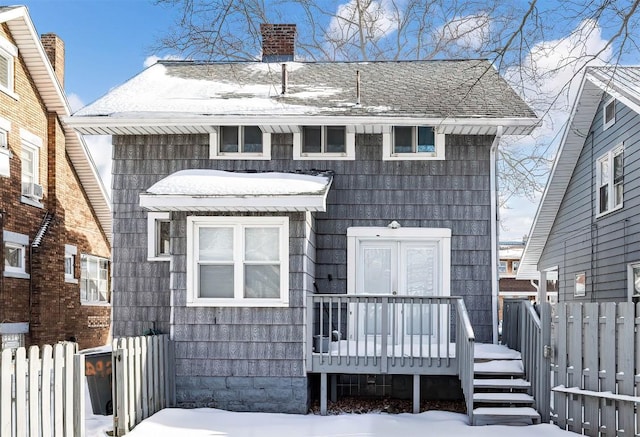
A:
(324, 142)
(239, 142)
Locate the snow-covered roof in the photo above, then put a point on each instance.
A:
(191, 97)
(623, 83)
(50, 90)
(215, 190)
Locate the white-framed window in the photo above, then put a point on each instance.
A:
(30, 159)
(610, 180)
(324, 142)
(70, 253)
(609, 114)
(94, 280)
(580, 288)
(158, 237)
(5, 153)
(514, 266)
(239, 142)
(633, 281)
(237, 261)
(15, 254)
(502, 267)
(14, 258)
(8, 54)
(412, 143)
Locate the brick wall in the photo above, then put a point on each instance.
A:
(51, 305)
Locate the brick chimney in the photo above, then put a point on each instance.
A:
(278, 42)
(54, 47)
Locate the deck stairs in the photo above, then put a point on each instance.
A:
(501, 394)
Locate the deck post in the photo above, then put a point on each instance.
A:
(323, 394)
(416, 394)
(334, 387)
(384, 332)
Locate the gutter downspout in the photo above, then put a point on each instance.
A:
(493, 175)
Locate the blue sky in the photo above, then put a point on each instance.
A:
(106, 41)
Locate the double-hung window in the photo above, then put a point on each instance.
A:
(30, 158)
(610, 180)
(94, 280)
(324, 142)
(412, 143)
(240, 142)
(8, 54)
(238, 261)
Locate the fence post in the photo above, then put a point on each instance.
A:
(78, 395)
(120, 412)
(544, 366)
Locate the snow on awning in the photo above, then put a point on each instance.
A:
(214, 190)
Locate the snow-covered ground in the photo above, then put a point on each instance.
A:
(208, 422)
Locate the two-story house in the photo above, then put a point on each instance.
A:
(586, 232)
(287, 220)
(55, 216)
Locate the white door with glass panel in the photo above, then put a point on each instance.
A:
(412, 267)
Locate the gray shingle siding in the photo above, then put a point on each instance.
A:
(599, 246)
(215, 344)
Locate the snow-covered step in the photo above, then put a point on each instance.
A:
(484, 352)
(499, 367)
(502, 384)
(503, 398)
(505, 416)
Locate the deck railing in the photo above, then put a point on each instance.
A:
(528, 332)
(385, 334)
(465, 352)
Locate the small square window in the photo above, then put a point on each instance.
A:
(580, 289)
(502, 267)
(609, 114)
(14, 258)
(158, 236)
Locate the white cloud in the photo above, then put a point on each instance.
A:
(379, 20)
(75, 102)
(470, 32)
(150, 60)
(548, 79)
(100, 149)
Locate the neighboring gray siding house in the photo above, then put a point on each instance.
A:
(587, 229)
(241, 190)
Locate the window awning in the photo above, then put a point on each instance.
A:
(214, 190)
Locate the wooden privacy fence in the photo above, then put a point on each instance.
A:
(143, 379)
(596, 361)
(42, 392)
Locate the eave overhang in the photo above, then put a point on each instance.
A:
(122, 124)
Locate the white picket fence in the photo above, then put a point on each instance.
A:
(143, 379)
(42, 392)
(596, 364)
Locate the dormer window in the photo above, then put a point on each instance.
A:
(324, 142)
(8, 53)
(412, 142)
(609, 114)
(240, 142)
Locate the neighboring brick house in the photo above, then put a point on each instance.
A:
(244, 191)
(55, 216)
